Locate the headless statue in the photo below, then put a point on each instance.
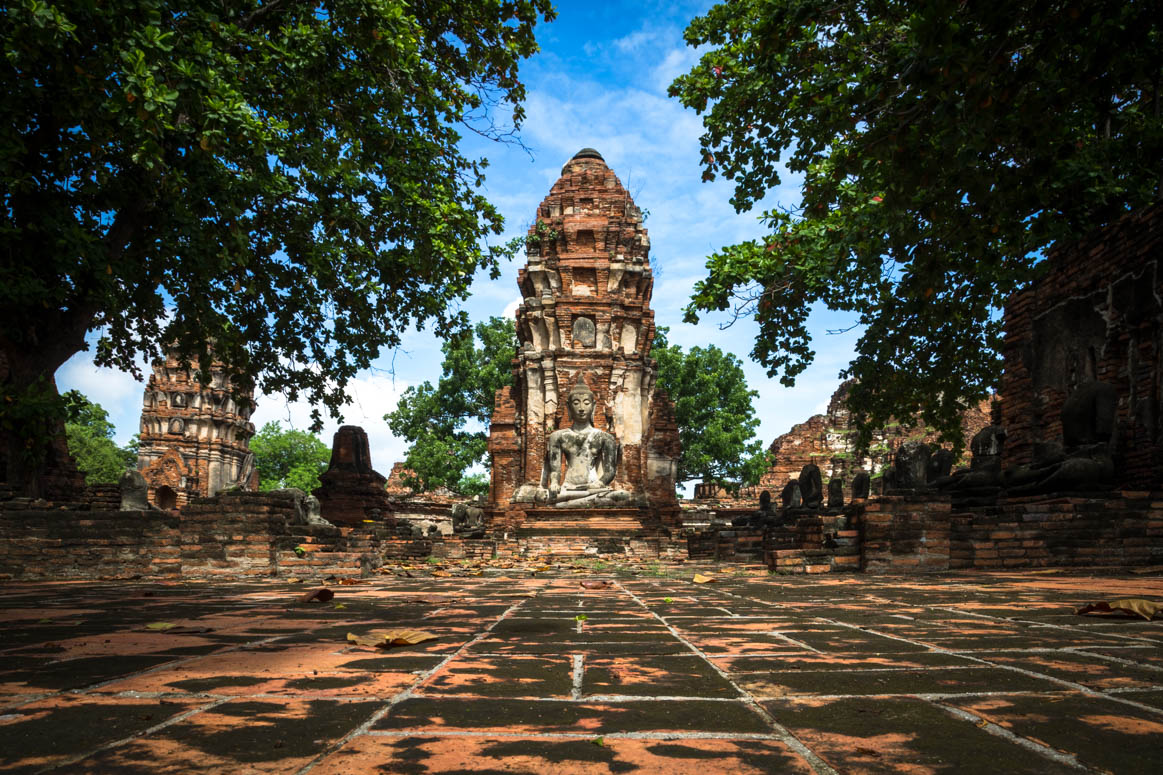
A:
(1084, 462)
(591, 457)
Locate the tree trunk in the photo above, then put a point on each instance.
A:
(36, 461)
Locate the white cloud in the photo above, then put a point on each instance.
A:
(510, 310)
(372, 395)
(117, 392)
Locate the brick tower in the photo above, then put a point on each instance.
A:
(585, 315)
(194, 440)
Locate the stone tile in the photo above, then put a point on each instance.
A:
(1081, 668)
(241, 736)
(591, 646)
(1102, 733)
(654, 676)
(1154, 697)
(51, 731)
(274, 669)
(277, 683)
(955, 680)
(871, 735)
(840, 662)
(556, 756)
(76, 673)
(512, 676)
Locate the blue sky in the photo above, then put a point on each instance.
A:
(599, 81)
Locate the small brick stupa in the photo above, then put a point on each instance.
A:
(585, 317)
(195, 440)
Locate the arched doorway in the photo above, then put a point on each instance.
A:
(166, 498)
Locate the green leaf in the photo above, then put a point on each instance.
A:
(940, 149)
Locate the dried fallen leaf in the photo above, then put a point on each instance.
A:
(388, 638)
(701, 579)
(595, 584)
(441, 573)
(321, 595)
(1147, 569)
(1131, 605)
(176, 629)
(348, 582)
(295, 580)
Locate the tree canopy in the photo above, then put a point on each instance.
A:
(90, 438)
(280, 181)
(447, 424)
(714, 412)
(288, 458)
(943, 146)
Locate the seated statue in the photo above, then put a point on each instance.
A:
(791, 497)
(836, 493)
(861, 486)
(1084, 461)
(910, 466)
(811, 486)
(939, 465)
(984, 467)
(591, 458)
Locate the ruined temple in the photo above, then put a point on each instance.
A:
(828, 440)
(195, 439)
(1096, 316)
(585, 321)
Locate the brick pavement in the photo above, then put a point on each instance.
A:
(984, 672)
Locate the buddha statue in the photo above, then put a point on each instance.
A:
(1084, 461)
(591, 458)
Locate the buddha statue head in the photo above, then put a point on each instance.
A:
(580, 403)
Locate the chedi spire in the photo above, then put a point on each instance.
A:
(585, 320)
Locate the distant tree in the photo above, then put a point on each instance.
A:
(714, 411)
(90, 437)
(942, 145)
(280, 180)
(447, 424)
(288, 458)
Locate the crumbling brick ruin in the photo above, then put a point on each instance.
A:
(195, 440)
(585, 317)
(350, 491)
(1097, 315)
(829, 441)
(1069, 474)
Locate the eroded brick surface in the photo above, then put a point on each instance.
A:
(195, 439)
(534, 672)
(585, 315)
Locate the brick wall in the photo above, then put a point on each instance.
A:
(905, 533)
(829, 441)
(235, 534)
(1097, 307)
(41, 543)
(811, 544)
(1125, 528)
